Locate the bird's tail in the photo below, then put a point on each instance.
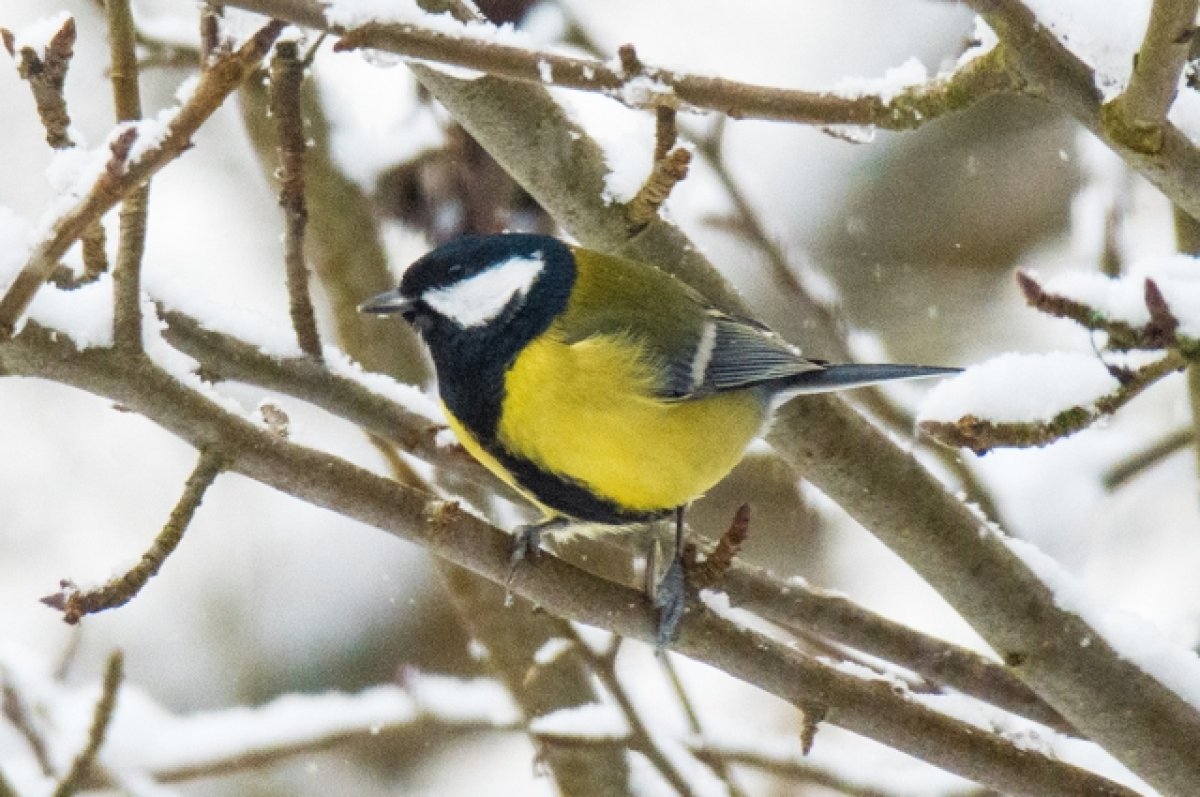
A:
(851, 375)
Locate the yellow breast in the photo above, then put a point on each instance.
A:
(586, 410)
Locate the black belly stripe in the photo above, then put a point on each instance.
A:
(568, 496)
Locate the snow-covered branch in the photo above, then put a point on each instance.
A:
(870, 707)
(901, 103)
(137, 153)
(1136, 117)
(1033, 400)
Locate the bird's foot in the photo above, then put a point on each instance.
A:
(527, 547)
(670, 598)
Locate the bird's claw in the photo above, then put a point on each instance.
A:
(670, 597)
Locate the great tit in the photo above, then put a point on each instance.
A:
(603, 390)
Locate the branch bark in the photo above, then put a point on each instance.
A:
(122, 177)
(872, 708)
(1136, 117)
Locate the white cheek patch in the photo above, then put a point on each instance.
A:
(479, 299)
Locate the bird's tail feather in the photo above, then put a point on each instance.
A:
(851, 375)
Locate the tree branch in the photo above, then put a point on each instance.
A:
(122, 177)
(18, 713)
(287, 75)
(1148, 457)
(75, 603)
(127, 281)
(1136, 117)
(651, 87)
(982, 435)
(46, 74)
(74, 780)
(872, 708)
(603, 665)
(1055, 73)
(799, 607)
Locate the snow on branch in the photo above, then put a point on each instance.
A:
(403, 29)
(1022, 400)
(138, 151)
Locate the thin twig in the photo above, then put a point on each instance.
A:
(1147, 458)
(227, 357)
(647, 86)
(696, 729)
(127, 280)
(19, 714)
(709, 572)
(287, 73)
(213, 45)
(73, 781)
(1158, 334)
(603, 665)
(664, 176)
(46, 73)
(665, 131)
(121, 177)
(1136, 117)
(982, 435)
(75, 603)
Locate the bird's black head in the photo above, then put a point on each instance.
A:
(478, 301)
(481, 283)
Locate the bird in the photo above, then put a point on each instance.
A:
(605, 391)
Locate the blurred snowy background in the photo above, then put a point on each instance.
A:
(914, 237)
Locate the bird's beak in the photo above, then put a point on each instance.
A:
(387, 303)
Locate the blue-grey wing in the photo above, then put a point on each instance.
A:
(733, 353)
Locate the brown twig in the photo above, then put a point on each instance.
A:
(664, 175)
(603, 665)
(982, 435)
(74, 780)
(122, 177)
(287, 74)
(213, 44)
(639, 85)
(21, 718)
(1147, 458)
(75, 603)
(127, 279)
(1136, 117)
(708, 573)
(667, 663)
(46, 73)
(1122, 336)
(665, 131)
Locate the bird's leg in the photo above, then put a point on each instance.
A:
(527, 543)
(671, 595)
